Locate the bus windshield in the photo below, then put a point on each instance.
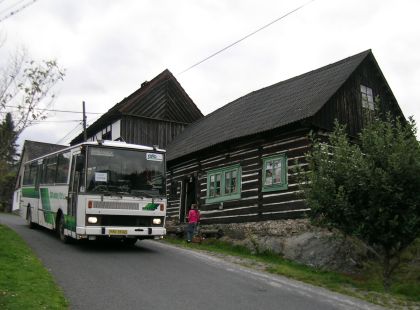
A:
(125, 172)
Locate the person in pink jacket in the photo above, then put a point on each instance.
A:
(193, 220)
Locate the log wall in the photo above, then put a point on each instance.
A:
(254, 204)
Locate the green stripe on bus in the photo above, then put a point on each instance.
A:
(30, 192)
(151, 206)
(45, 200)
(70, 222)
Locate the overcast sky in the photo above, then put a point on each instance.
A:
(109, 48)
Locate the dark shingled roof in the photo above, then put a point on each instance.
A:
(35, 149)
(268, 108)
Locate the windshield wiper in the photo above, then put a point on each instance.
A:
(146, 194)
(141, 194)
(108, 190)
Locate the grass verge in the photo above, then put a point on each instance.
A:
(404, 293)
(24, 282)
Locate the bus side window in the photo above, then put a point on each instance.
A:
(43, 172)
(63, 167)
(27, 175)
(37, 174)
(33, 173)
(51, 169)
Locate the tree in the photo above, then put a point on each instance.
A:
(8, 137)
(25, 96)
(26, 89)
(368, 189)
(8, 156)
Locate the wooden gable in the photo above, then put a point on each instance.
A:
(345, 104)
(158, 106)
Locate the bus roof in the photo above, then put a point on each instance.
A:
(117, 144)
(123, 145)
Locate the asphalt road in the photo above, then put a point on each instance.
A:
(153, 275)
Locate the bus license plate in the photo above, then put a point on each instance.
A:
(117, 231)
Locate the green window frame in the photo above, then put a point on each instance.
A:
(224, 184)
(274, 173)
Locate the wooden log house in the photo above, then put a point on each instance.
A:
(237, 162)
(153, 115)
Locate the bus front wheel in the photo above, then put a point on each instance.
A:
(60, 228)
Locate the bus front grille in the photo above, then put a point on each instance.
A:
(115, 205)
(125, 220)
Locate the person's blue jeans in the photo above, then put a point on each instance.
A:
(191, 230)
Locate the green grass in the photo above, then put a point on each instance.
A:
(24, 282)
(405, 291)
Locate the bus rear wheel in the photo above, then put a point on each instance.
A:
(31, 224)
(60, 229)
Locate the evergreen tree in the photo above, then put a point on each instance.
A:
(8, 137)
(8, 156)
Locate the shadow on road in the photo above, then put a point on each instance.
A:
(102, 245)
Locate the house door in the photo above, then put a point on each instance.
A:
(188, 197)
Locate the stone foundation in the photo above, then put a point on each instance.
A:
(295, 240)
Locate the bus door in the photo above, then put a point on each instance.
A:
(37, 214)
(76, 179)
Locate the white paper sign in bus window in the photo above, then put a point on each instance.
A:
(154, 156)
(101, 177)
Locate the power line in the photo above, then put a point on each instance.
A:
(69, 133)
(245, 37)
(18, 10)
(60, 111)
(92, 121)
(57, 121)
(11, 6)
(78, 127)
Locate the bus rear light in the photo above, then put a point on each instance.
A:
(90, 204)
(162, 207)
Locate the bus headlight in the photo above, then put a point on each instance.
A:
(157, 221)
(92, 219)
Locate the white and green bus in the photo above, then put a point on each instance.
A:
(102, 189)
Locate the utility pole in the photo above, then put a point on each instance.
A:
(84, 123)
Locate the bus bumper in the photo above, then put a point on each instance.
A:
(121, 231)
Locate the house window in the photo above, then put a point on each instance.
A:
(231, 181)
(367, 98)
(224, 184)
(107, 133)
(274, 173)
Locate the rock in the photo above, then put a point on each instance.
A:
(296, 240)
